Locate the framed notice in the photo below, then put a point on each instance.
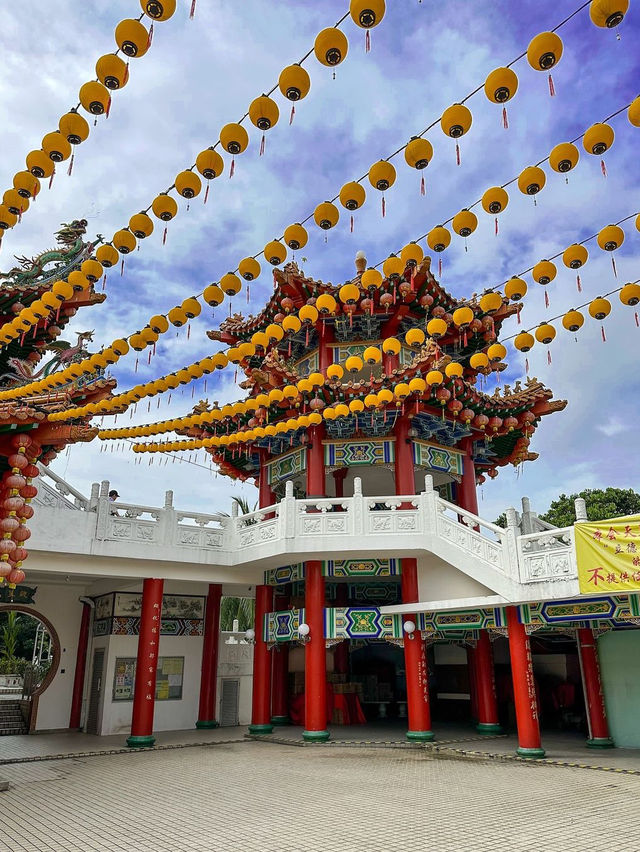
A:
(169, 678)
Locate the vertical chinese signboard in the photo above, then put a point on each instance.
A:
(608, 555)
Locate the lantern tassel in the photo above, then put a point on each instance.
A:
(604, 336)
(51, 178)
(206, 194)
(552, 88)
(423, 186)
(164, 236)
(526, 366)
(496, 226)
(262, 144)
(548, 356)
(233, 167)
(248, 292)
(603, 168)
(518, 316)
(579, 283)
(505, 118)
(149, 358)
(613, 264)
(306, 340)
(351, 225)
(150, 39)
(384, 207)
(108, 110)
(439, 267)
(367, 42)
(193, 10)
(457, 154)
(292, 113)
(188, 330)
(546, 299)
(122, 268)
(70, 169)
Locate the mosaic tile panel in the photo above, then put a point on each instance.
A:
(433, 457)
(354, 453)
(286, 466)
(361, 623)
(282, 626)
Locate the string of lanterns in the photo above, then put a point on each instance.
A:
(112, 74)
(15, 510)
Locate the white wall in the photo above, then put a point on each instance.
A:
(235, 661)
(437, 581)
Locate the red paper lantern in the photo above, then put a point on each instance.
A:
(8, 525)
(15, 481)
(5, 569)
(22, 441)
(28, 492)
(22, 534)
(31, 471)
(480, 421)
(7, 545)
(18, 460)
(12, 504)
(16, 576)
(20, 554)
(25, 512)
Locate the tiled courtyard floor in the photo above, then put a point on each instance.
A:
(252, 797)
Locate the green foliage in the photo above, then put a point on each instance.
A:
(10, 636)
(242, 609)
(601, 504)
(501, 521)
(25, 633)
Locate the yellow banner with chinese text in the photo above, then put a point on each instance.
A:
(608, 555)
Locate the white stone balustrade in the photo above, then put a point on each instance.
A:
(238, 548)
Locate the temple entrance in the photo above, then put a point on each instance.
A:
(29, 658)
(377, 676)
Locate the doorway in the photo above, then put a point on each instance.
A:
(95, 693)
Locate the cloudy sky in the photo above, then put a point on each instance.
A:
(201, 74)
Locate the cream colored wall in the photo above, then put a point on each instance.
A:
(439, 581)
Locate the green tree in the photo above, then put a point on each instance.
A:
(10, 634)
(242, 609)
(601, 503)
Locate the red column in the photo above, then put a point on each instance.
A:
(405, 480)
(266, 496)
(524, 689)
(146, 665)
(486, 687)
(209, 667)
(390, 363)
(467, 497)
(339, 477)
(415, 663)
(471, 674)
(326, 336)
(315, 462)
(315, 668)
(261, 699)
(81, 664)
(593, 698)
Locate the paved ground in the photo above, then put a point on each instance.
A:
(253, 797)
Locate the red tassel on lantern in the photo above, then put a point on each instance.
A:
(150, 39)
(351, 225)
(384, 208)
(188, 330)
(51, 178)
(423, 187)
(70, 169)
(293, 112)
(457, 154)
(548, 356)
(637, 319)
(496, 226)
(262, 144)
(505, 118)
(604, 336)
(122, 268)
(552, 88)
(546, 299)
(613, 264)
(248, 291)
(518, 316)
(579, 283)
(367, 42)
(603, 168)
(193, 9)
(104, 282)
(106, 115)
(149, 358)
(439, 267)
(233, 167)
(206, 194)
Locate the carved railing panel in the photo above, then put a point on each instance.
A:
(547, 556)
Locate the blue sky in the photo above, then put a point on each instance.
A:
(200, 74)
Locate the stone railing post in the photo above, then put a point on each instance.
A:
(581, 510)
(357, 508)
(288, 512)
(103, 510)
(510, 555)
(429, 505)
(93, 499)
(168, 532)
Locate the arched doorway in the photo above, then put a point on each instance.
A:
(29, 660)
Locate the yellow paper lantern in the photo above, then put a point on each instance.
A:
(234, 138)
(464, 223)
(544, 51)
(564, 157)
(418, 152)
(264, 112)
(295, 236)
(382, 175)
(352, 195)
(132, 38)
(438, 238)
(501, 85)
(294, 82)
(331, 46)
(209, 163)
(456, 121)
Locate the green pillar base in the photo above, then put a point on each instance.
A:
(280, 720)
(315, 736)
(487, 728)
(205, 724)
(420, 736)
(140, 742)
(601, 742)
(260, 729)
(531, 753)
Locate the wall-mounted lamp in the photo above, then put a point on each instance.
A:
(409, 628)
(304, 632)
(250, 636)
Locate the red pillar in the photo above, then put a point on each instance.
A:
(339, 477)
(524, 689)
(593, 698)
(209, 667)
(315, 668)
(390, 363)
(280, 690)
(405, 480)
(486, 687)
(266, 497)
(415, 663)
(146, 665)
(326, 336)
(261, 699)
(81, 664)
(316, 484)
(467, 496)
